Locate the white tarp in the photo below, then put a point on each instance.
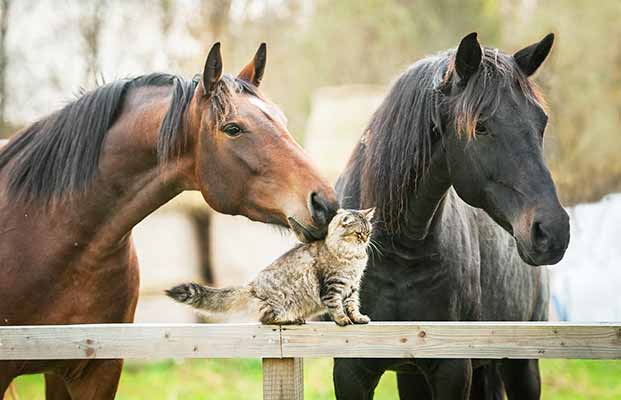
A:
(586, 284)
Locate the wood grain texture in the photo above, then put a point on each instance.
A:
(316, 339)
(139, 341)
(283, 379)
(454, 340)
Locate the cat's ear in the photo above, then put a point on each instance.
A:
(369, 213)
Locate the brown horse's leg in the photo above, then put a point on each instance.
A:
(55, 388)
(97, 380)
(5, 382)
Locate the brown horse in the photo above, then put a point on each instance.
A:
(74, 184)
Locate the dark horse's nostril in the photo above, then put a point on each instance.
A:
(319, 209)
(540, 237)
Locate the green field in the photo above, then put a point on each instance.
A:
(241, 379)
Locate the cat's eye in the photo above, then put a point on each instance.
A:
(347, 220)
(232, 130)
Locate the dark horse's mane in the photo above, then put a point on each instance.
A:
(397, 143)
(60, 153)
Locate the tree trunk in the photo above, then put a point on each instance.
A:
(90, 29)
(4, 26)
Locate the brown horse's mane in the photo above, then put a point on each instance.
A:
(396, 148)
(60, 153)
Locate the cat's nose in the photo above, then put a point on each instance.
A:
(322, 211)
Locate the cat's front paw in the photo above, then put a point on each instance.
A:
(360, 319)
(343, 320)
(297, 321)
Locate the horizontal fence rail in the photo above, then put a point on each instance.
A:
(316, 339)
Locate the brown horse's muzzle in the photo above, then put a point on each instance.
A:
(322, 210)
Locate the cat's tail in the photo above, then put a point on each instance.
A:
(210, 299)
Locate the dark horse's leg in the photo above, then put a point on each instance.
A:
(521, 378)
(96, 380)
(449, 379)
(487, 383)
(413, 386)
(55, 388)
(356, 379)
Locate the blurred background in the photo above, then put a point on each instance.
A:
(330, 65)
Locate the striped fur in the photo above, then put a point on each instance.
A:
(308, 280)
(211, 299)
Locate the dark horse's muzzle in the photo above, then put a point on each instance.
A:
(542, 236)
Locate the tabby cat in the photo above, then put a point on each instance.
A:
(307, 280)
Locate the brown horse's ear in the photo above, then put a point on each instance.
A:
(213, 70)
(253, 71)
(530, 58)
(468, 57)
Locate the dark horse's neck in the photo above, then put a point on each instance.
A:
(427, 197)
(424, 203)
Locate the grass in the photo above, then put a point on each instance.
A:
(241, 379)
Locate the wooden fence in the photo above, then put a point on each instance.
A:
(282, 348)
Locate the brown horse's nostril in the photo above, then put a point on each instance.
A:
(542, 241)
(320, 209)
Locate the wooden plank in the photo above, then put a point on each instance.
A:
(376, 340)
(283, 379)
(453, 340)
(139, 341)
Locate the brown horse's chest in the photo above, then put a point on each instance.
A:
(55, 281)
(101, 292)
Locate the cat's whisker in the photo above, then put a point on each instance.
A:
(378, 247)
(374, 248)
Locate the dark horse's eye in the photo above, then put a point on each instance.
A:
(232, 130)
(480, 129)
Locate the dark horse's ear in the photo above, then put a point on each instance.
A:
(213, 70)
(253, 71)
(468, 57)
(530, 58)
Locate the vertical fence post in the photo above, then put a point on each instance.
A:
(283, 379)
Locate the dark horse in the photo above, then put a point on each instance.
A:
(74, 184)
(453, 162)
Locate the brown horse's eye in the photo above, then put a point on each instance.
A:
(232, 130)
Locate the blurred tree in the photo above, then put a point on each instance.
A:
(211, 22)
(582, 84)
(316, 43)
(4, 27)
(167, 8)
(90, 30)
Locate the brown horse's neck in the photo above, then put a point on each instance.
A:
(131, 184)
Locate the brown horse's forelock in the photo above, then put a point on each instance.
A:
(59, 154)
(173, 137)
(397, 143)
(222, 104)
